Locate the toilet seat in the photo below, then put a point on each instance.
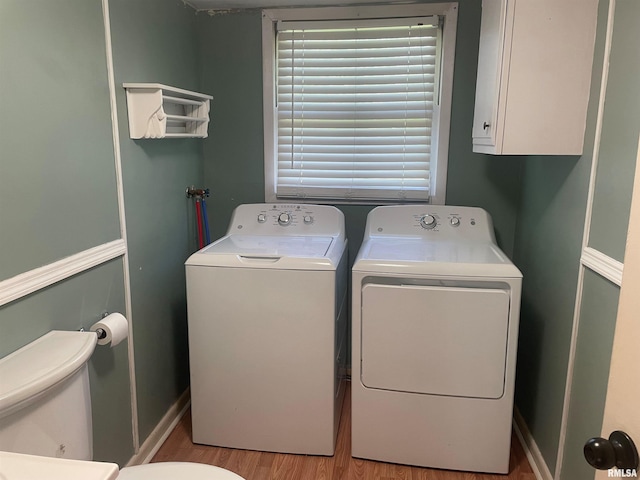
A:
(176, 470)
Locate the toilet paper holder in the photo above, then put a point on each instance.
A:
(99, 332)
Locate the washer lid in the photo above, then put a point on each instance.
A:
(419, 256)
(271, 245)
(177, 471)
(271, 251)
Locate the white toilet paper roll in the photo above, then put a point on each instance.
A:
(115, 327)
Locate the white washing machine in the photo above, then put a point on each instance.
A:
(267, 318)
(435, 324)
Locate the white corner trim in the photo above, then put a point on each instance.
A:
(530, 447)
(162, 431)
(26, 283)
(602, 264)
(564, 422)
(123, 223)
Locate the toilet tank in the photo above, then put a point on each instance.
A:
(45, 403)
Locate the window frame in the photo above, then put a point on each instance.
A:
(440, 133)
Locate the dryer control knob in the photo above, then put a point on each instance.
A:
(262, 218)
(284, 219)
(428, 222)
(455, 221)
(308, 219)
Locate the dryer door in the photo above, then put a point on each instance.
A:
(434, 340)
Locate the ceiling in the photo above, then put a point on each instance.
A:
(246, 4)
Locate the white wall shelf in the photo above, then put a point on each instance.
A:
(161, 111)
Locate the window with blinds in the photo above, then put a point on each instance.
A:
(357, 105)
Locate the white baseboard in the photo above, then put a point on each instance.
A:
(164, 428)
(531, 450)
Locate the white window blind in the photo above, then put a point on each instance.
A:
(355, 108)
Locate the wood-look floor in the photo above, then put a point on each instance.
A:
(276, 466)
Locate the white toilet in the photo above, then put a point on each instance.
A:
(45, 418)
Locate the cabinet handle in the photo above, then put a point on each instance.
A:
(485, 125)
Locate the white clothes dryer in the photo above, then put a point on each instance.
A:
(435, 324)
(267, 318)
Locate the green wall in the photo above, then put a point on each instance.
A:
(591, 373)
(548, 244)
(619, 140)
(57, 178)
(230, 49)
(231, 59)
(156, 42)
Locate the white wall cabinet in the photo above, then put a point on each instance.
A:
(161, 111)
(534, 76)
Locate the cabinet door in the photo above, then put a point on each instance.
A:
(489, 71)
(534, 71)
(492, 30)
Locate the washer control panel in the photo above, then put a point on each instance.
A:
(434, 221)
(431, 221)
(437, 222)
(286, 215)
(440, 221)
(287, 219)
(291, 216)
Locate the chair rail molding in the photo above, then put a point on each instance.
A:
(29, 282)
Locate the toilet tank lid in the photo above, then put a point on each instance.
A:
(41, 364)
(17, 466)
